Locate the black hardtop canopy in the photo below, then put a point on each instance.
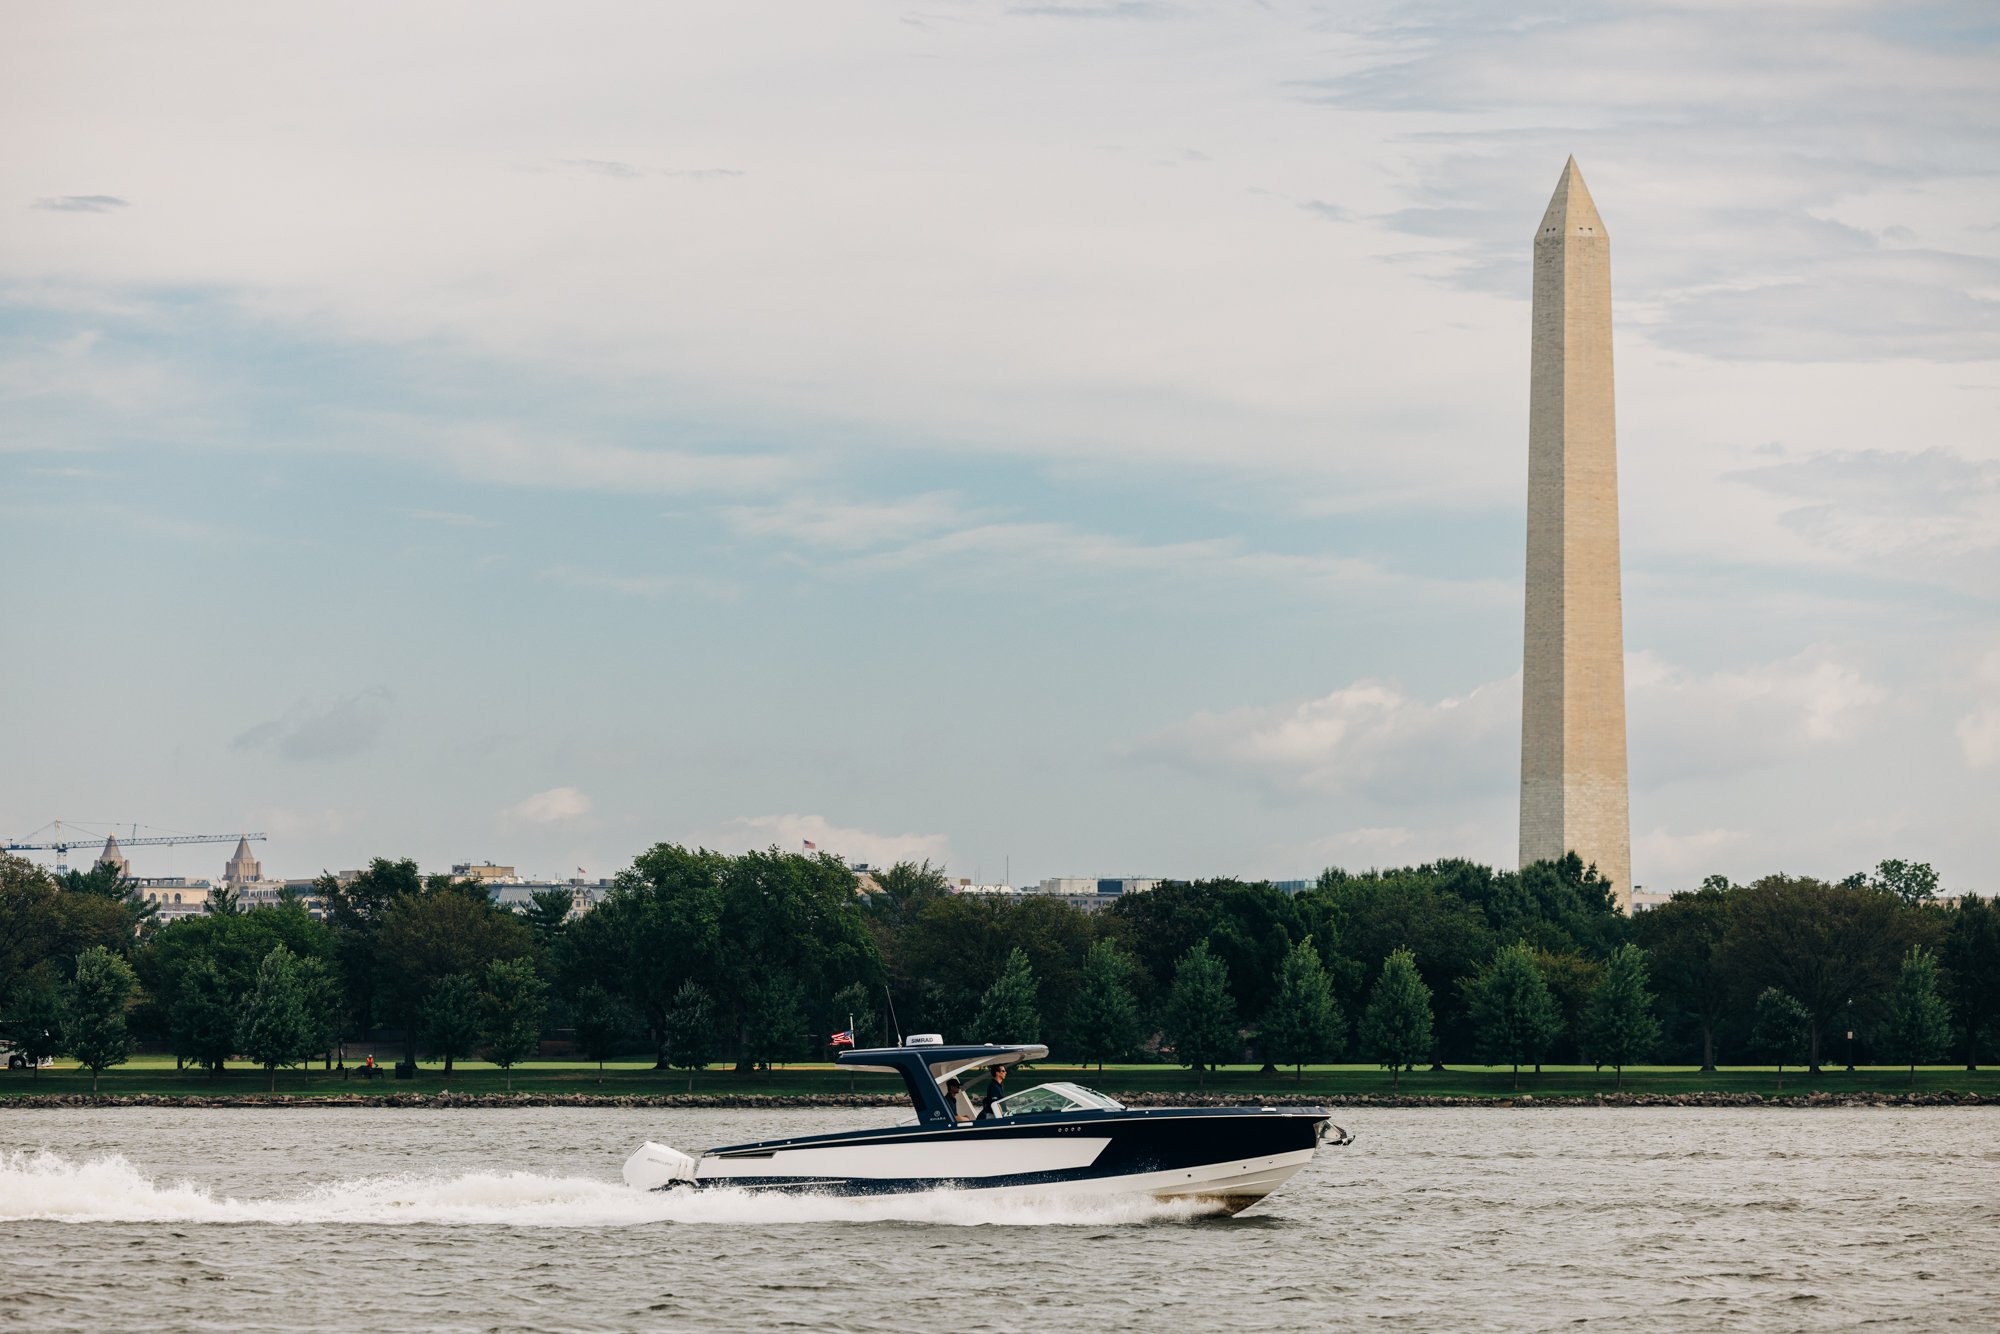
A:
(925, 1068)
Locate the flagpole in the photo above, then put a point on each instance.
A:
(850, 1032)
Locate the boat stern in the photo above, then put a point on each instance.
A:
(657, 1167)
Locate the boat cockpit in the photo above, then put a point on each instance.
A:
(925, 1063)
(1059, 1097)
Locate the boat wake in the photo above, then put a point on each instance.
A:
(48, 1186)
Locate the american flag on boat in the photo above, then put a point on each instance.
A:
(844, 1038)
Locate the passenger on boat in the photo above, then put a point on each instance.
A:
(994, 1092)
(961, 1105)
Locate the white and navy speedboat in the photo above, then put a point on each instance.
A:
(1048, 1140)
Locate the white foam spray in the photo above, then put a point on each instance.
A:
(110, 1189)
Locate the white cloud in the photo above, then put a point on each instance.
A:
(345, 727)
(933, 536)
(1058, 555)
(641, 586)
(792, 832)
(1682, 859)
(283, 820)
(1979, 731)
(1372, 740)
(1369, 740)
(81, 204)
(496, 453)
(1684, 725)
(1745, 230)
(1930, 506)
(558, 806)
(452, 519)
(849, 526)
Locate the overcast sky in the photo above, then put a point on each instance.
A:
(1052, 440)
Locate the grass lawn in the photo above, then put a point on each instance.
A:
(156, 1075)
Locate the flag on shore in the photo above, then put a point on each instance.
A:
(811, 846)
(843, 1039)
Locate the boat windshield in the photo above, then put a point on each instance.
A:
(1044, 1098)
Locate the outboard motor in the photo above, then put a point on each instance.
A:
(655, 1167)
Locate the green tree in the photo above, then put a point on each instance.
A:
(1919, 1023)
(1104, 1023)
(1396, 1030)
(1201, 1022)
(601, 1023)
(453, 1019)
(431, 934)
(1253, 929)
(658, 929)
(1684, 936)
(1161, 926)
(1007, 1011)
(1436, 913)
(276, 1026)
(30, 922)
(1620, 1022)
(1056, 937)
(772, 1034)
(203, 1017)
(1912, 882)
(41, 924)
(1821, 944)
(1572, 980)
(33, 1022)
(357, 910)
(1780, 1030)
(547, 914)
(687, 1031)
(854, 1005)
(513, 1003)
(1513, 1014)
(236, 944)
(903, 886)
(94, 1004)
(791, 916)
(320, 990)
(1303, 1024)
(948, 1008)
(1971, 959)
(108, 883)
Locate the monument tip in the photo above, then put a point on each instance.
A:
(1571, 210)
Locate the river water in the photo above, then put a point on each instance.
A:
(367, 1219)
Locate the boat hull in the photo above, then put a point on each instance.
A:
(1228, 1157)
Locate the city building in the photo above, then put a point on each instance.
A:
(1070, 887)
(111, 856)
(484, 871)
(1644, 900)
(517, 895)
(242, 869)
(174, 897)
(1574, 796)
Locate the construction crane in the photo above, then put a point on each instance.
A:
(64, 840)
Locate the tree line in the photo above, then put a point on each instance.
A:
(696, 956)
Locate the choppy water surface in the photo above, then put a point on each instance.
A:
(1505, 1220)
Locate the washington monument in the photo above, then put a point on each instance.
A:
(1573, 795)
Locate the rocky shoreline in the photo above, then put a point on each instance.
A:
(698, 1101)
